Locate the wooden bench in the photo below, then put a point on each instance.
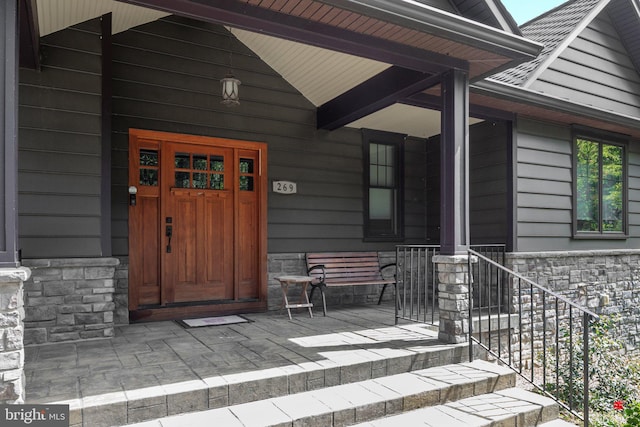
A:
(331, 269)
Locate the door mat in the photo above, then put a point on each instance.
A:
(213, 321)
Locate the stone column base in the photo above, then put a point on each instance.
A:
(453, 297)
(12, 379)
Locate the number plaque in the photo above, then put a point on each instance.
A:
(284, 187)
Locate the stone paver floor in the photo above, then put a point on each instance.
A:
(159, 353)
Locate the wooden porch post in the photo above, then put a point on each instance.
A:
(452, 263)
(9, 134)
(12, 379)
(454, 158)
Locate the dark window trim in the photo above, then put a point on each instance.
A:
(389, 138)
(601, 137)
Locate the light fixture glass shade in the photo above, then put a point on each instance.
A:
(230, 96)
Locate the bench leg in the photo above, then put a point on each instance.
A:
(324, 301)
(382, 294)
(313, 289)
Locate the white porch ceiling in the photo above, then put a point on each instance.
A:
(54, 15)
(318, 74)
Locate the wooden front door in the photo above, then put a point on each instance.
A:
(197, 225)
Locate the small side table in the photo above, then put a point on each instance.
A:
(285, 281)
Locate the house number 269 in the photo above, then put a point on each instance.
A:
(284, 187)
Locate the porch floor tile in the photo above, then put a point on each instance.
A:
(155, 354)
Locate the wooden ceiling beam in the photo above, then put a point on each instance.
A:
(29, 34)
(380, 91)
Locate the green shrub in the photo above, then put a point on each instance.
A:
(632, 415)
(613, 376)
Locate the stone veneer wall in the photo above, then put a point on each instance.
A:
(12, 379)
(607, 282)
(69, 299)
(121, 296)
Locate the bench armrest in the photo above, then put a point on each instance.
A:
(322, 270)
(393, 264)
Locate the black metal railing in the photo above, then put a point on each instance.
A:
(489, 293)
(417, 285)
(534, 331)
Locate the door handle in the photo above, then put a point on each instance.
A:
(169, 234)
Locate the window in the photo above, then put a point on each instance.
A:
(600, 195)
(383, 201)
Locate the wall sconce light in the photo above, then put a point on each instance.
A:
(230, 96)
(133, 190)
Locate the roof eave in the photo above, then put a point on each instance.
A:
(497, 89)
(503, 16)
(418, 16)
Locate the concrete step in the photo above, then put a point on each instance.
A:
(510, 407)
(357, 402)
(333, 368)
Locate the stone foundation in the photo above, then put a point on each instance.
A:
(57, 294)
(121, 296)
(607, 282)
(12, 380)
(69, 299)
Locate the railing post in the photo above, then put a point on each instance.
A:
(453, 297)
(585, 373)
(396, 294)
(469, 270)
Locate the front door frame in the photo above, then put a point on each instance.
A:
(174, 311)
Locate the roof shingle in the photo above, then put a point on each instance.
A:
(550, 29)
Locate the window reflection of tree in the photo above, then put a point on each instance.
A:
(599, 186)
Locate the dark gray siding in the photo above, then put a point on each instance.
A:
(441, 4)
(543, 186)
(166, 77)
(477, 11)
(634, 194)
(544, 191)
(488, 201)
(415, 215)
(433, 190)
(595, 70)
(59, 147)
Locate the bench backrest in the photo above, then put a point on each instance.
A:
(346, 267)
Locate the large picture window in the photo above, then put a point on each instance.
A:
(600, 187)
(383, 159)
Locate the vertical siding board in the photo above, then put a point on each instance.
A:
(59, 147)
